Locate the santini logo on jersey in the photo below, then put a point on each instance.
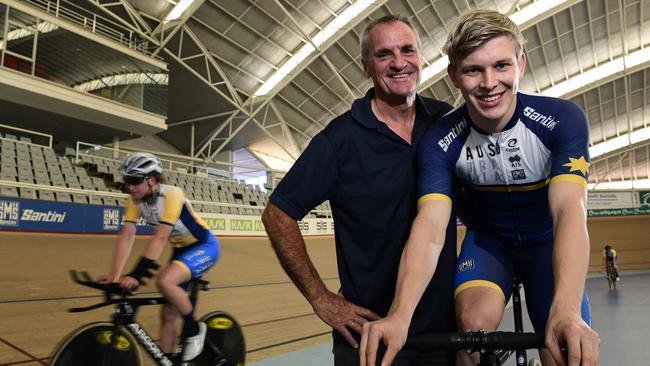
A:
(451, 136)
(546, 121)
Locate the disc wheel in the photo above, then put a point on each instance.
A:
(224, 341)
(92, 345)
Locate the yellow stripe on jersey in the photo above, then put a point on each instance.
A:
(522, 188)
(573, 178)
(434, 197)
(478, 283)
(132, 212)
(174, 201)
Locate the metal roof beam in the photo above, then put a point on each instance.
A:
(439, 71)
(137, 24)
(286, 79)
(176, 25)
(210, 65)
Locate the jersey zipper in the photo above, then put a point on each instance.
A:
(506, 178)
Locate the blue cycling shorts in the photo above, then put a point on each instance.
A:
(487, 261)
(198, 258)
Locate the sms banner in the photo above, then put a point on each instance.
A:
(63, 217)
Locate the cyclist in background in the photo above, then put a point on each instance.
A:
(610, 258)
(196, 250)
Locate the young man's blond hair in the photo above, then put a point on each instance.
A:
(475, 28)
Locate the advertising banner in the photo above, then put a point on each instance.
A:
(599, 200)
(233, 225)
(644, 199)
(62, 217)
(618, 203)
(620, 212)
(34, 215)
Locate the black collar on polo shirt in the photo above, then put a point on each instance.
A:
(362, 114)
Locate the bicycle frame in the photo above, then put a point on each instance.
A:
(494, 347)
(124, 317)
(490, 358)
(520, 354)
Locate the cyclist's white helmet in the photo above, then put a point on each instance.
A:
(140, 164)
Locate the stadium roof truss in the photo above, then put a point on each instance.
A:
(594, 52)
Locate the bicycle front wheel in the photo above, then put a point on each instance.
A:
(91, 345)
(224, 341)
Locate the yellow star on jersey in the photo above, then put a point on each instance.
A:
(578, 164)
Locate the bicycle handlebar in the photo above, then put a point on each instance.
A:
(114, 294)
(109, 288)
(476, 341)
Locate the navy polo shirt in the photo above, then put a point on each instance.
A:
(368, 173)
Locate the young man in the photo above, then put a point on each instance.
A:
(363, 163)
(196, 250)
(517, 166)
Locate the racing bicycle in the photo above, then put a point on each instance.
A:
(114, 343)
(494, 347)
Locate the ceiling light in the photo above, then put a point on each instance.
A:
(620, 142)
(621, 185)
(438, 66)
(522, 18)
(28, 31)
(602, 72)
(178, 10)
(338, 23)
(123, 79)
(272, 162)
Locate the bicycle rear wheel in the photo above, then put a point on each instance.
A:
(224, 341)
(90, 345)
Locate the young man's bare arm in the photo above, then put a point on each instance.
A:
(568, 205)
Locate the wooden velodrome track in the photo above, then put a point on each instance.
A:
(247, 282)
(35, 290)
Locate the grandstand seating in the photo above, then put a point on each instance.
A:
(204, 192)
(24, 162)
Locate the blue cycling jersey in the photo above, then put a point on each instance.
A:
(501, 179)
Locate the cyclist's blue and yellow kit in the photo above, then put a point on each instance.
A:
(195, 248)
(500, 183)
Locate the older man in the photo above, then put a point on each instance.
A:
(363, 163)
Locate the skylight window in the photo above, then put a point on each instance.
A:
(521, 18)
(178, 10)
(308, 48)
